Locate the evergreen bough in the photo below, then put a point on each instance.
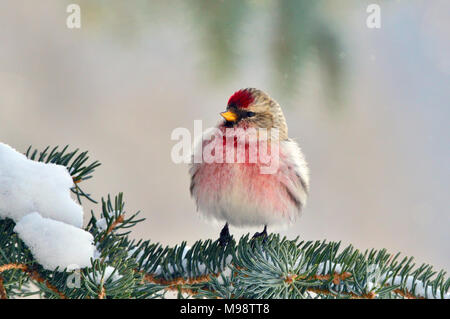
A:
(275, 268)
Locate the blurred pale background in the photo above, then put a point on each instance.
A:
(370, 107)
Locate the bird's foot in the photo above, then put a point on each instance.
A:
(262, 234)
(225, 236)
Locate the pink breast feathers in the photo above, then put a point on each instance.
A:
(241, 186)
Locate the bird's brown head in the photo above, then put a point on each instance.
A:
(251, 107)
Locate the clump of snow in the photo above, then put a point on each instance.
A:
(54, 243)
(131, 251)
(101, 224)
(418, 287)
(110, 273)
(98, 254)
(172, 267)
(326, 267)
(201, 268)
(185, 251)
(28, 186)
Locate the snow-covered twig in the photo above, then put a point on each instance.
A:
(41, 239)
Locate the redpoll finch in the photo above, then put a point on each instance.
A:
(244, 192)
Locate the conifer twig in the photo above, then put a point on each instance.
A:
(102, 293)
(277, 268)
(33, 274)
(3, 294)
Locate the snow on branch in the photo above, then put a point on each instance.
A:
(42, 242)
(27, 186)
(55, 244)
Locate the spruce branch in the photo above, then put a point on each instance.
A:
(3, 294)
(34, 275)
(276, 268)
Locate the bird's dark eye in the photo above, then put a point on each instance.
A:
(250, 114)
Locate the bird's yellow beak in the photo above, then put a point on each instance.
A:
(229, 116)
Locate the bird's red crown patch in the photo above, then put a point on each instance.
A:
(241, 99)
